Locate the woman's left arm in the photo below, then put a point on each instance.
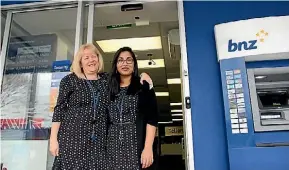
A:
(152, 122)
(150, 136)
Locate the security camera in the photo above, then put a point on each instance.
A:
(151, 61)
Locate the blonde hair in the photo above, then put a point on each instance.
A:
(76, 64)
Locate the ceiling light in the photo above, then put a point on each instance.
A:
(262, 92)
(165, 122)
(176, 111)
(158, 63)
(175, 104)
(177, 120)
(174, 81)
(177, 114)
(137, 44)
(281, 91)
(260, 77)
(162, 93)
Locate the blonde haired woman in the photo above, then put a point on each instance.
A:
(79, 123)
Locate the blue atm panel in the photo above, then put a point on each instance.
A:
(254, 144)
(255, 82)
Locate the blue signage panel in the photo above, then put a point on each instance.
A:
(61, 66)
(31, 53)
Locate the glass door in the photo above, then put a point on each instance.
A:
(36, 41)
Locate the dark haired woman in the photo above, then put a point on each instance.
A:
(132, 114)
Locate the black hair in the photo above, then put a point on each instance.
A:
(114, 78)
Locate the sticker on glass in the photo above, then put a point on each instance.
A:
(232, 96)
(230, 77)
(234, 131)
(242, 115)
(243, 125)
(241, 110)
(244, 130)
(234, 116)
(229, 73)
(241, 107)
(240, 100)
(238, 86)
(233, 105)
(235, 126)
(239, 90)
(244, 120)
(237, 71)
(231, 86)
(230, 81)
(238, 81)
(237, 76)
(233, 111)
(241, 104)
(234, 121)
(232, 91)
(240, 95)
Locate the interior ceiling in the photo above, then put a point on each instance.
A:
(162, 17)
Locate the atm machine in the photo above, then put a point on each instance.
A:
(254, 65)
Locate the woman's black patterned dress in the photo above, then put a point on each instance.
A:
(79, 120)
(122, 139)
(128, 116)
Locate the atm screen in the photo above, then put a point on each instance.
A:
(269, 92)
(274, 99)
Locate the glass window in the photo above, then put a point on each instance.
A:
(38, 41)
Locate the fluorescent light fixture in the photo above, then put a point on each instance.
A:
(175, 104)
(158, 63)
(162, 93)
(176, 111)
(137, 44)
(174, 81)
(165, 122)
(260, 77)
(262, 92)
(177, 115)
(177, 120)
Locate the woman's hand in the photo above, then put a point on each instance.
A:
(145, 77)
(147, 157)
(54, 147)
